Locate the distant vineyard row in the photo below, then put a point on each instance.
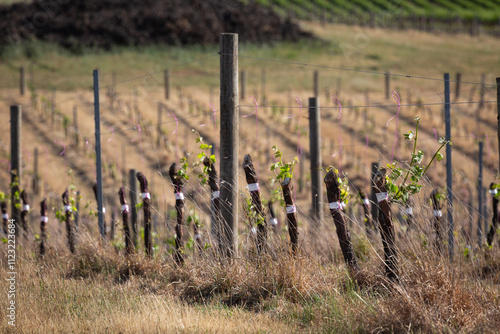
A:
(487, 12)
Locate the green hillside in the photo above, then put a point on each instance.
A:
(454, 13)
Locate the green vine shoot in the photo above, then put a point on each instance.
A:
(403, 182)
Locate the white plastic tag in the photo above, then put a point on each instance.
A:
(291, 209)
(215, 194)
(125, 208)
(26, 207)
(382, 197)
(253, 187)
(145, 195)
(179, 196)
(438, 213)
(44, 219)
(335, 206)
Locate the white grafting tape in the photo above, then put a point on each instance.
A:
(103, 210)
(215, 194)
(44, 219)
(274, 221)
(254, 230)
(179, 196)
(382, 197)
(5, 216)
(335, 206)
(438, 213)
(409, 210)
(67, 208)
(125, 208)
(26, 207)
(253, 187)
(145, 195)
(197, 236)
(493, 191)
(366, 201)
(291, 209)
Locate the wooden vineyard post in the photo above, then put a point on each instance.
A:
(315, 149)
(43, 221)
(22, 80)
(98, 162)
(387, 85)
(133, 203)
(112, 89)
(438, 214)
(158, 126)
(75, 126)
(498, 120)
(480, 196)
(105, 229)
(243, 84)
(386, 225)
(302, 179)
(291, 213)
(449, 168)
(263, 87)
(333, 194)
(367, 215)
(15, 163)
(373, 197)
(485, 211)
(215, 206)
(253, 187)
(167, 84)
(69, 222)
(274, 220)
(494, 222)
(146, 207)
(112, 225)
(178, 184)
(36, 176)
(24, 213)
(5, 216)
(457, 86)
(482, 91)
(125, 209)
(229, 131)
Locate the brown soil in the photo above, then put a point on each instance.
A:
(103, 24)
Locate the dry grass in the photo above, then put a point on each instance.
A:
(99, 290)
